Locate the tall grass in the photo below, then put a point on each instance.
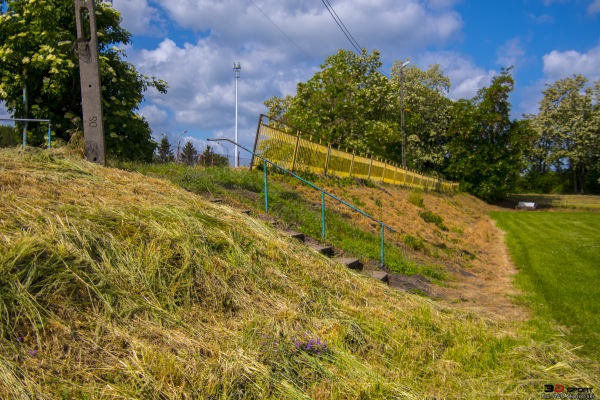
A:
(287, 205)
(558, 255)
(116, 285)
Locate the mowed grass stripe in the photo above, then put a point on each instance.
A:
(558, 256)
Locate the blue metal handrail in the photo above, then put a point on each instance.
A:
(323, 193)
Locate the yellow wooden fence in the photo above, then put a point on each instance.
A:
(295, 153)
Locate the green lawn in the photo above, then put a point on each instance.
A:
(558, 256)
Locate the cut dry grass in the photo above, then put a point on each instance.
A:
(115, 285)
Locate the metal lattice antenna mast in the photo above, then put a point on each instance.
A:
(86, 47)
(236, 67)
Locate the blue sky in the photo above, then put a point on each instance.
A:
(192, 45)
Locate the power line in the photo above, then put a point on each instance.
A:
(347, 33)
(341, 25)
(282, 32)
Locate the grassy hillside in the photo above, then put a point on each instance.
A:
(116, 285)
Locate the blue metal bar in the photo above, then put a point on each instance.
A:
(266, 187)
(323, 193)
(382, 245)
(26, 120)
(323, 215)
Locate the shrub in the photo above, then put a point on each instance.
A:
(416, 198)
(433, 218)
(416, 243)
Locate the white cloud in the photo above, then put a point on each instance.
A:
(139, 17)
(199, 65)
(594, 8)
(400, 25)
(558, 65)
(466, 78)
(154, 115)
(510, 53)
(201, 92)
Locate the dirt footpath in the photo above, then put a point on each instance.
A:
(487, 288)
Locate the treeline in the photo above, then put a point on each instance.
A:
(473, 141)
(189, 155)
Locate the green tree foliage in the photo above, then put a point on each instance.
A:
(567, 131)
(346, 102)
(189, 154)
(9, 136)
(209, 158)
(427, 116)
(37, 57)
(165, 153)
(486, 147)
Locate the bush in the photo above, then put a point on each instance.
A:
(416, 198)
(433, 218)
(416, 243)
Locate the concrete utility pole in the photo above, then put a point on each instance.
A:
(89, 73)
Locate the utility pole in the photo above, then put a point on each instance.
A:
(402, 113)
(89, 73)
(236, 67)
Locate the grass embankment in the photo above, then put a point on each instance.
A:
(115, 285)
(558, 255)
(417, 247)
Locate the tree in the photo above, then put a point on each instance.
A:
(346, 102)
(9, 136)
(567, 130)
(486, 147)
(39, 64)
(427, 116)
(165, 153)
(209, 158)
(189, 154)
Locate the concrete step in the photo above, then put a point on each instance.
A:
(295, 235)
(323, 249)
(379, 275)
(352, 263)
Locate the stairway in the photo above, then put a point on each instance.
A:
(329, 251)
(326, 250)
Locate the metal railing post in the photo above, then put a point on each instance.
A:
(266, 188)
(323, 193)
(323, 215)
(382, 245)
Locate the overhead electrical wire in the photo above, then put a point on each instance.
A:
(347, 33)
(337, 20)
(282, 32)
(341, 25)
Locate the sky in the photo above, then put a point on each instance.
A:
(192, 45)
